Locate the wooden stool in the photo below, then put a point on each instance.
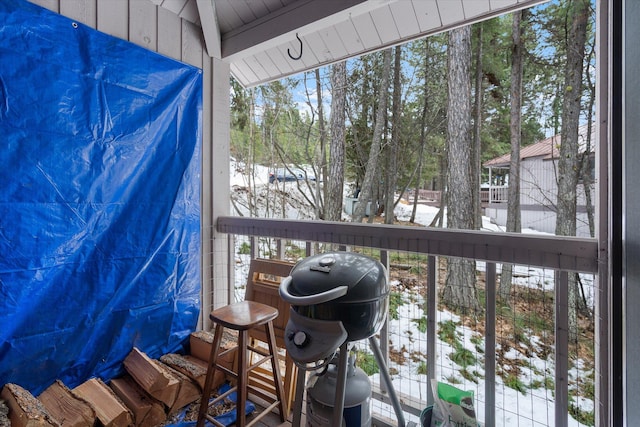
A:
(242, 317)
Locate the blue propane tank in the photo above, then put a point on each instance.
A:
(321, 393)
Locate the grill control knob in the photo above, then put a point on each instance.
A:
(300, 339)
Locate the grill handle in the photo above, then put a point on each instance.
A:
(320, 298)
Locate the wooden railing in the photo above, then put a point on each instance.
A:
(434, 197)
(563, 255)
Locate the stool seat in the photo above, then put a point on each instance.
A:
(243, 316)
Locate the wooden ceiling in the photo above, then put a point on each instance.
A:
(258, 37)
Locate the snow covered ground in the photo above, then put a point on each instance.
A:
(533, 406)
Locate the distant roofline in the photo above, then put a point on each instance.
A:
(547, 149)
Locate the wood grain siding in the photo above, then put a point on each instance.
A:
(534, 185)
(254, 36)
(216, 193)
(477, 7)
(250, 29)
(259, 67)
(143, 24)
(333, 42)
(404, 18)
(387, 33)
(184, 9)
(170, 38)
(113, 18)
(501, 4)
(170, 27)
(428, 15)
(349, 37)
(366, 30)
(269, 62)
(228, 16)
(79, 10)
(451, 12)
(315, 50)
(278, 56)
(52, 5)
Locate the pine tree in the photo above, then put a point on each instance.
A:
(335, 179)
(460, 285)
(513, 199)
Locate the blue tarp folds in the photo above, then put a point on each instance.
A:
(99, 200)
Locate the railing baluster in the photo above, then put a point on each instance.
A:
(432, 322)
(562, 348)
(253, 248)
(280, 248)
(490, 346)
(231, 273)
(384, 331)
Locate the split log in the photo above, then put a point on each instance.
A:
(67, 407)
(24, 409)
(200, 344)
(219, 377)
(4, 414)
(147, 412)
(188, 391)
(109, 409)
(152, 377)
(188, 365)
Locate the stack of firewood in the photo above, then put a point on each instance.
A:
(150, 393)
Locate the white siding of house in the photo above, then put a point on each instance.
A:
(160, 30)
(537, 182)
(538, 193)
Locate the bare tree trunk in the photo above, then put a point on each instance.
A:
(423, 132)
(395, 141)
(477, 128)
(513, 198)
(438, 219)
(416, 191)
(321, 161)
(335, 179)
(251, 159)
(587, 161)
(568, 163)
(460, 285)
(374, 152)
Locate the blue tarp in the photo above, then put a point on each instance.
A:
(99, 200)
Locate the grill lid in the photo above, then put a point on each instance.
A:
(343, 277)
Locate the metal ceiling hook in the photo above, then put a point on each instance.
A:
(295, 58)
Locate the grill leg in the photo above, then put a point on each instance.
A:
(341, 385)
(384, 372)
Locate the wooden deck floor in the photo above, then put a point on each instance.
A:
(273, 419)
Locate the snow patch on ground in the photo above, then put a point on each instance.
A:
(533, 408)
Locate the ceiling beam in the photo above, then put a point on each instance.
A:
(210, 28)
(284, 22)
